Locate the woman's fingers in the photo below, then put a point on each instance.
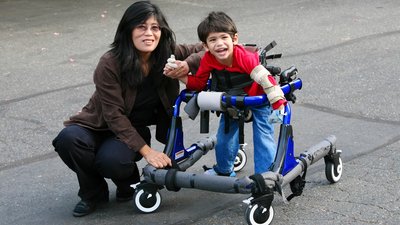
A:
(159, 160)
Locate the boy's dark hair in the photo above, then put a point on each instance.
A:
(216, 22)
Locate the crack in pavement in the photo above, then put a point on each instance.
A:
(348, 114)
(23, 98)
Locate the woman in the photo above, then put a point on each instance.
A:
(111, 132)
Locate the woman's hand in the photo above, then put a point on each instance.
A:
(181, 70)
(155, 158)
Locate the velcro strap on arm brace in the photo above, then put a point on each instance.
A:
(274, 94)
(260, 75)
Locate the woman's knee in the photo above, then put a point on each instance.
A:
(115, 160)
(65, 138)
(75, 142)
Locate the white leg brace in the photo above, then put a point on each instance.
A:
(260, 75)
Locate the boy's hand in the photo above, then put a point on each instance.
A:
(277, 115)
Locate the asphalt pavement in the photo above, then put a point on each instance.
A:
(347, 53)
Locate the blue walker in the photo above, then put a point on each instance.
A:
(286, 169)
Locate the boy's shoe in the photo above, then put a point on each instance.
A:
(213, 173)
(210, 172)
(125, 195)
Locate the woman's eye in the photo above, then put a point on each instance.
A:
(141, 27)
(155, 28)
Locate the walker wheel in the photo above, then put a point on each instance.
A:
(256, 214)
(333, 173)
(240, 160)
(146, 201)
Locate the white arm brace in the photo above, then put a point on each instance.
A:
(260, 75)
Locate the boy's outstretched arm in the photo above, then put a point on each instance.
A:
(274, 92)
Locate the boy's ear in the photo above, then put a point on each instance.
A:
(235, 39)
(205, 46)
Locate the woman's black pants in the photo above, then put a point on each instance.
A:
(95, 155)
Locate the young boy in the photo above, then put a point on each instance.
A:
(231, 67)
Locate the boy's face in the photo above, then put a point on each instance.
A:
(220, 45)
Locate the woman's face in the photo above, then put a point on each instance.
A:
(146, 36)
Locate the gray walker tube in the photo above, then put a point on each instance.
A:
(244, 185)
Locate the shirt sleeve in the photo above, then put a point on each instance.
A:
(198, 81)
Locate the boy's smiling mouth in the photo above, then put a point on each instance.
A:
(221, 51)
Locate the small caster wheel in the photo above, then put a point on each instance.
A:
(333, 172)
(240, 160)
(146, 201)
(256, 214)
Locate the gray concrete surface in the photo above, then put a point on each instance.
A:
(347, 53)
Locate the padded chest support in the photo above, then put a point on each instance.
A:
(230, 82)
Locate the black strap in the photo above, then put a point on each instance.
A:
(298, 184)
(240, 102)
(228, 80)
(305, 166)
(170, 180)
(226, 118)
(214, 83)
(241, 128)
(228, 99)
(260, 187)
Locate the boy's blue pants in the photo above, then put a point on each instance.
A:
(227, 145)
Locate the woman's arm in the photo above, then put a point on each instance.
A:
(191, 54)
(186, 59)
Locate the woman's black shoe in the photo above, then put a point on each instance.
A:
(125, 195)
(84, 208)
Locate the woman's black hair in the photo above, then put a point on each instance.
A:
(126, 53)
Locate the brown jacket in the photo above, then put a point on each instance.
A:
(112, 101)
